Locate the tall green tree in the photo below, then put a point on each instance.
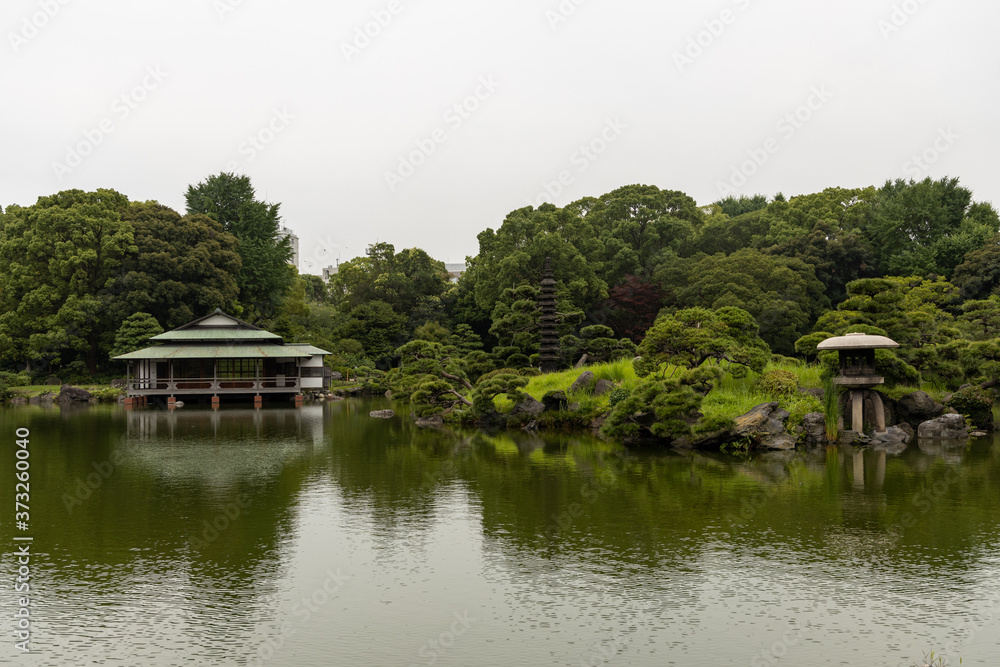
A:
(60, 259)
(183, 267)
(265, 273)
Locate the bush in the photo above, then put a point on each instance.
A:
(617, 396)
(107, 394)
(976, 404)
(778, 384)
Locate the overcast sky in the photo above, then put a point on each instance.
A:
(423, 122)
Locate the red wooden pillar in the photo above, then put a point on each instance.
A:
(258, 401)
(299, 399)
(215, 402)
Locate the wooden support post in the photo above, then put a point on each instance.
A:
(258, 401)
(299, 399)
(857, 411)
(215, 402)
(171, 401)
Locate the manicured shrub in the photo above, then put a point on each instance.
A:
(778, 384)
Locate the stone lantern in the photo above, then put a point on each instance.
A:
(857, 374)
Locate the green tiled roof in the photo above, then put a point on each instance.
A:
(306, 347)
(231, 333)
(259, 351)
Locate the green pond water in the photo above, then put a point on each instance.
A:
(321, 536)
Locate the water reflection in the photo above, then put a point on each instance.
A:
(205, 537)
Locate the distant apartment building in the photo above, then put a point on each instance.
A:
(285, 232)
(329, 272)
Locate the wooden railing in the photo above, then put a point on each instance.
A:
(215, 385)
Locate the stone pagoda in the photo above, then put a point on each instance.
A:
(549, 355)
(857, 374)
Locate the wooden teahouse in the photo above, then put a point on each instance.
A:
(219, 355)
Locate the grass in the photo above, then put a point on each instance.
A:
(39, 389)
(730, 398)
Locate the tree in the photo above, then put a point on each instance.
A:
(515, 254)
(663, 408)
(60, 258)
(134, 333)
(978, 276)
(265, 273)
(782, 294)
(409, 281)
(377, 327)
(734, 206)
(928, 226)
(632, 307)
(693, 336)
(183, 267)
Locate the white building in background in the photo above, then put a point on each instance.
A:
(285, 232)
(329, 272)
(454, 271)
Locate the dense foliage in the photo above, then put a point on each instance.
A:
(639, 270)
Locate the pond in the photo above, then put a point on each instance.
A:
(321, 536)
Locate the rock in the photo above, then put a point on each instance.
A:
(53, 381)
(531, 426)
(582, 383)
(814, 426)
(596, 425)
(758, 421)
(603, 387)
(780, 441)
(68, 394)
(573, 407)
(119, 383)
(894, 435)
(529, 406)
(336, 375)
(19, 400)
(945, 427)
(555, 400)
(437, 421)
(908, 430)
(917, 407)
(334, 397)
(382, 414)
(388, 393)
(42, 399)
(818, 393)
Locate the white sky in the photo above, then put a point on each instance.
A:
(896, 77)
